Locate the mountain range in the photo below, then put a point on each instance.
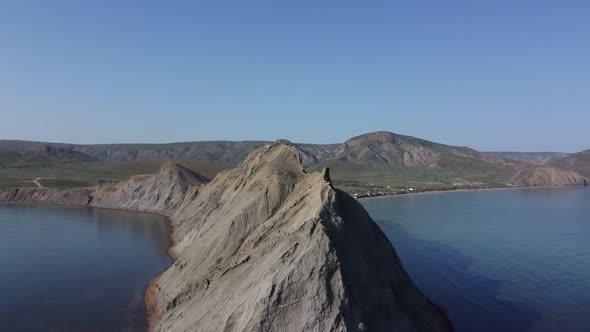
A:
(376, 162)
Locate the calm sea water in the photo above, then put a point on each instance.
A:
(77, 269)
(508, 260)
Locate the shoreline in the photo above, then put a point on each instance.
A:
(444, 191)
(149, 294)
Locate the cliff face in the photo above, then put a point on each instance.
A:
(264, 247)
(267, 247)
(548, 176)
(162, 192)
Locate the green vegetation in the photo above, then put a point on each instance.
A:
(531, 156)
(380, 162)
(16, 182)
(363, 178)
(63, 183)
(73, 174)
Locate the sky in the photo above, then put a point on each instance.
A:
(491, 75)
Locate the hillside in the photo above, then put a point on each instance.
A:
(529, 156)
(222, 152)
(380, 162)
(162, 192)
(79, 174)
(385, 162)
(375, 147)
(42, 156)
(548, 176)
(578, 162)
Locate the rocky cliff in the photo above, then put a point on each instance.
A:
(548, 176)
(264, 247)
(267, 247)
(162, 192)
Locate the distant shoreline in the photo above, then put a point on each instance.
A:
(442, 191)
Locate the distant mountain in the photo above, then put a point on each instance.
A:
(378, 147)
(406, 151)
(40, 155)
(379, 161)
(223, 152)
(529, 156)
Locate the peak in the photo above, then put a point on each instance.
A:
(171, 168)
(378, 136)
(277, 157)
(283, 141)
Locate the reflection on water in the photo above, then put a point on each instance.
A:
(510, 260)
(77, 269)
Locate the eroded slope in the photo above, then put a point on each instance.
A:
(267, 247)
(162, 192)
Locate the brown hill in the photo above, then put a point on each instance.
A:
(403, 150)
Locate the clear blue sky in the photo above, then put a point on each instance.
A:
(499, 76)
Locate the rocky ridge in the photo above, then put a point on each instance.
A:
(267, 247)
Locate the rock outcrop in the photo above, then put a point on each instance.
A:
(162, 192)
(267, 247)
(264, 247)
(548, 176)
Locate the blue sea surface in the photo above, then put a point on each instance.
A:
(77, 269)
(504, 260)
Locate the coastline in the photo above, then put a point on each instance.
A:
(443, 191)
(149, 293)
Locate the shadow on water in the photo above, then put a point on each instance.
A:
(472, 302)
